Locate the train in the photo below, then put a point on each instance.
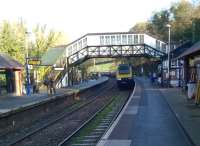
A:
(125, 76)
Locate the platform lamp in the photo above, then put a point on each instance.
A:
(169, 57)
(28, 88)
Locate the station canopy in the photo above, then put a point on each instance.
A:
(52, 55)
(192, 50)
(6, 62)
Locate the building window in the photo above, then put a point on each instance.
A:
(164, 47)
(101, 40)
(173, 63)
(119, 40)
(124, 39)
(107, 40)
(130, 39)
(70, 50)
(157, 44)
(141, 39)
(135, 39)
(113, 40)
(80, 45)
(74, 47)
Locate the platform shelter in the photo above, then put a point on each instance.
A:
(10, 75)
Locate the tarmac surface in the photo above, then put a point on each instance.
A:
(155, 117)
(10, 103)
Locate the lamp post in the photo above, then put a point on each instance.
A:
(169, 57)
(28, 91)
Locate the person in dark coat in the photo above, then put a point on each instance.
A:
(46, 83)
(52, 86)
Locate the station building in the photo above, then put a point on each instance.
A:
(177, 71)
(191, 59)
(185, 66)
(10, 75)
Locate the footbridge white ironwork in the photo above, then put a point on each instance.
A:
(122, 44)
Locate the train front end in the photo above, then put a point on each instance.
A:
(124, 76)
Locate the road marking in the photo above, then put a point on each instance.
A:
(114, 143)
(131, 110)
(136, 97)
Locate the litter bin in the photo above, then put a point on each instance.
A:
(191, 89)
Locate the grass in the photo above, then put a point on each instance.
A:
(96, 121)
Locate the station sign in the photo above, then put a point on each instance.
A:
(59, 68)
(34, 62)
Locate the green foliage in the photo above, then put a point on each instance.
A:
(12, 39)
(44, 39)
(183, 17)
(140, 27)
(182, 20)
(15, 39)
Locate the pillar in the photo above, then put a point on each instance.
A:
(18, 82)
(185, 70)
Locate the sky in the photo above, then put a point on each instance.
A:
(78, 17)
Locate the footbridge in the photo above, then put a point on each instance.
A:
(107, 45)
(122, 44)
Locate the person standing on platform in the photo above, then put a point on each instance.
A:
(52, 86)
(46, 83)
(33, 84)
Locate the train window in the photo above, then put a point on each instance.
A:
(124, 68)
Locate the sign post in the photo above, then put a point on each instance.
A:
(34, 62)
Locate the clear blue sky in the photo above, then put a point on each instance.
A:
(78, 17)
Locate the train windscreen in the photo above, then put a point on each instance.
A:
(124, 69)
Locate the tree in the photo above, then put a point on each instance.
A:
(158, 24)
(140, 27)
(12, 39)
(183, 13)
(44, 39)
(181, 16)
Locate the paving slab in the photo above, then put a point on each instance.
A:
(10, 103)
(147, 119)
(187, 113)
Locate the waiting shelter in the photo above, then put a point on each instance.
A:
(10, 75)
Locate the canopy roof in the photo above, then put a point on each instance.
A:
(6, 62)
(193, 49)
(178, 51)
(52, 55)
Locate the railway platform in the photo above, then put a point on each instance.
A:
(155, 116)
(10, 104)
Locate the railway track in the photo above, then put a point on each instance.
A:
(9, 138)
(99, 122)
(31, 138)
